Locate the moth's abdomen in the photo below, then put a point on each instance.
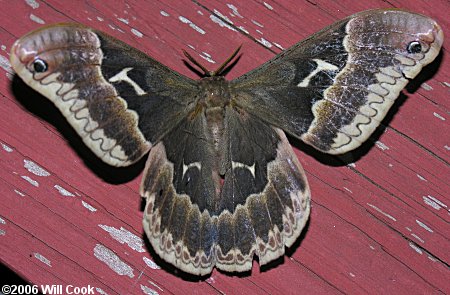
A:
(63, 63)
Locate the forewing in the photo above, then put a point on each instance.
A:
(333, 89)
(119, 100)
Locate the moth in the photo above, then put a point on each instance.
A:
(222, 183)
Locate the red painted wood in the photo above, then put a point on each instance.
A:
(380, 217)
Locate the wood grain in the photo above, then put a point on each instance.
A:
(380, 217)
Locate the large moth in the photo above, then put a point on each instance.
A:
(221, 183)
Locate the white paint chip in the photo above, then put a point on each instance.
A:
(352, 274)
(418, 238)
(426, 227)
(163, 13)
(148, 290)
(112, 261)
(150, 263)
(381, 211)
(125, 237)
(37, 19)
(417, 249)
(257, 23)
(89, 207)
(4, 146)
(31, 181)
(99, 290)
(19, 193)
(155, 285)
(381, 145)
(124, 20)
(191, 24)
(2, 232)
(137, 33)
(43, 259)
(433, 202)
(220, 22)
(100, 18)
(207, 57)
(268, 6)
(32, 3)
(426, 87)
(438, 116)
(278, 45)
(4, 64)
(2, 221)
(35, 168)
(421, 177)
(234, 10)
(446, 84)
(63, 191)
(265, 42)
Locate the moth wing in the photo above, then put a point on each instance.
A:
(197, 221)
(119, 100)
(333, 89)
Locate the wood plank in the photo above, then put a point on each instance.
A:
(380, 216)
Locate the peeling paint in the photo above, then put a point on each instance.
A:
(30, 180)
(37, 19)
(433, 202)
(438, 116)
(278, 45)
(125, 237)
(191, 24)
(418, 238)
(2, 221)
(32, 3)
(124, 20)
(43, 259)
(417, 249)
(100, 18)
(4, 64)
(381, 211)
(155, 285)
(352, 274)
(163, 13)
(347, 189)
(234, 10)
(221, 22)
(150, 263)
(35, 168)
(446, 84)
(426, 227)
(4, 146)
(148, 290)
(352, 165)
(137, 33)
(112, 261)
(89, 207)
(19, 193)
(268, 6)
(381, 146)
(421, 177)
(243, 30)
(63, 191)
(265, 42)
(2, 232)
(426, 87)
(101, 291)
(257, 23)
(207, 57)
(447, 147)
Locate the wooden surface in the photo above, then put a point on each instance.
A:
(380, 217)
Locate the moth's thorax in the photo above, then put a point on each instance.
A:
(216, 92)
